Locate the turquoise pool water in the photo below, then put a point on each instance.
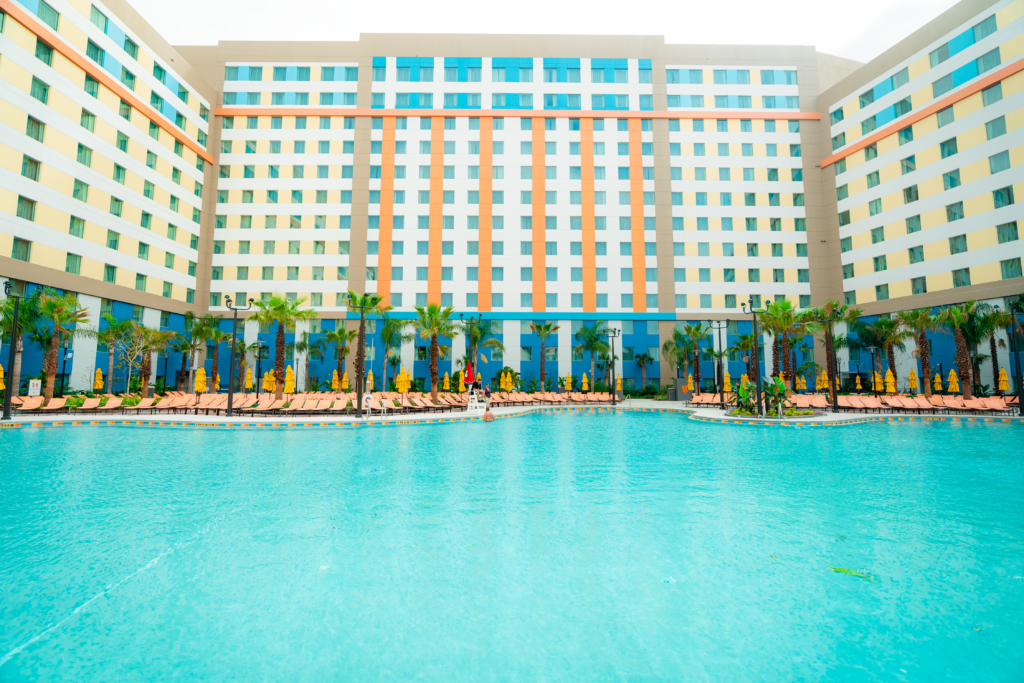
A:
(560, 547)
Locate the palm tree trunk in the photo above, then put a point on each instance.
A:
(787, 367)
(891, 351)
(963, 363)
(191, 370)
(433, 368)
(279, 362)
(14, 383)
(776, 361)
(182, 371)
(361, 351)
(643, 376)
(216, 366)
(995, 364)
(593, 370)
(50, 364)
(926, 365)
(696, 368)
(110, 370)
(542, 363)
(829, 361)
(144, 370)
(341, 366)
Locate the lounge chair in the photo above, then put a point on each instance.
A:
(30, 404)
(937, 401)
(951, 403)
(926, 406)
(112, 405)
(144, 404)
(997, 405)
(976, 405)
(818, 401)
(54, 405)
(425, 405)
(871, 403)
(272, 407)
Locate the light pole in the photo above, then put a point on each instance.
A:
(613, 334)
(757, 349)
(833, 368)
(718, 327)
(259, 366)
(231, 365)
(64, 364)
(874, 384)
(8, 292)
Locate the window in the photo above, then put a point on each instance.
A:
(1003, 197)
(992, 95)
(1011, 268)
(1007, 232)
(44, 52)
(957, 244)
(945, 117)
(26, 209)
(40, 90)
(995, 128)
(916, 254)
(955, 212)
(30, 168)
(962, 277)
(908, 165)
(948, 148)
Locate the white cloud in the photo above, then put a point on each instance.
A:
(857, 30)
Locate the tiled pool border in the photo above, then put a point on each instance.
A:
(528, 410)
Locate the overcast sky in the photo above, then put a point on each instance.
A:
(856, 29)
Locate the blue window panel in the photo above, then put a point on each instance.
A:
(644, 63)
(885, 116)
(32, 5)
(562, 66)
(646, 103)
(461, 102)
(112, 66)
(883, 88)
(414, 102)
(415, 64)
(609, 104)
(169, 111)
(243, 73)
(961, 42)
(561, 102)
(512, 65)
(512, 102)
(965, 73)
(380, 61)
(291, 74)
(463, 64)
(609, 66)
(117, 34)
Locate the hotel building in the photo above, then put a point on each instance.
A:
(518, 178)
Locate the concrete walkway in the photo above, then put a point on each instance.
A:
(698, 413)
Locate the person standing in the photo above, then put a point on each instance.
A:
(487, 397)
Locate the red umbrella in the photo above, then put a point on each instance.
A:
(469, 373)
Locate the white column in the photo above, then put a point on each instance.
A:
(459, 350)
(617, 324)
(564, 347)
(511, 336)
(151, 319)
(83, 362)
(769, 354)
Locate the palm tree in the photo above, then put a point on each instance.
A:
(744, 346)
(957, 318)
(590, 340)
(307, 346)
(340, 338)
(109, 337)
(153, 341)
(543, 331)
(364, 303)
(187, 347)
(677, 351)
(216, 337)
(643, 360)
(697, 333)
(285, 312)
(28, 315)
(64, 314)
(890, 335)
(242, 350)
(842, 313)
(199, 330)
(919, 323)
(434, 322)
(395, 360)
(991, 321)
(482, 334)
(392, 335)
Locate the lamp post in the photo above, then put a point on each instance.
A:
(613, 334)
(757, 349)
(718, 327)
(874, 384)
(833, 367)
(231, 365)
(259, 366)
(8, 292)
(68, 353)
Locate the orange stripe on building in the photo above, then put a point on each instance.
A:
(587, 200)
(436, 209)
(774, 114)
(539, 284)
(636, 216)
(387, 209)
(57, 42)
(914, 117)
(486, 198)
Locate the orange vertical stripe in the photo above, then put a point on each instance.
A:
(587, 198)
(636, 212)
(436, 209)
(387, 210)
(539, 284)
(486, 186)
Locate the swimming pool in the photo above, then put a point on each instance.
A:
(557, 547)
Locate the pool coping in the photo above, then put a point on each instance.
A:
(699, 414)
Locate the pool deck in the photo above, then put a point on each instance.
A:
(700, 414)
